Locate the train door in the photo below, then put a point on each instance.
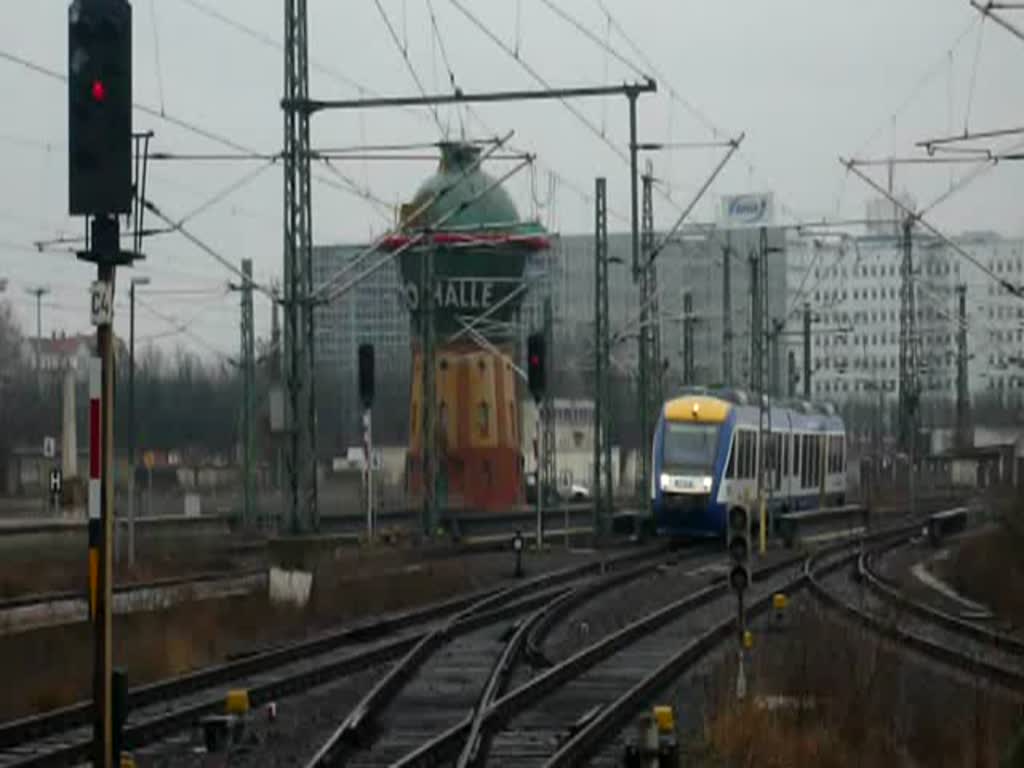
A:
(786, 489)
(823, 443)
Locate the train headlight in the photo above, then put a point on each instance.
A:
(705, 483)
(666, 481)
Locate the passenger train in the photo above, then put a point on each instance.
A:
(705, 459)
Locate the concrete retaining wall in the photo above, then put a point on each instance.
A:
(68, 539)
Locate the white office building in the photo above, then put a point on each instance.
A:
(853, 288)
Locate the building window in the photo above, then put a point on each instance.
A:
(484, 418)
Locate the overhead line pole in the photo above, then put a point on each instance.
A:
(963, 437)
(968, 136)
(133, 283)
(248, 356)
(988, 10)
(297, 108)
(922, 222)
(727, 311)
(647, 373)
(311, 106)
(807, 351)
(734, 145)
(602, 358)
(39, 293)
(649, 370)
(689, 375)
(908, 394)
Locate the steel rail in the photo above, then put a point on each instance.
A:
(357, 729)
(21, 732)
(445, 746)
(998, 640)
(557, 611)
(146, 731)
(528, 637)
(612, 719)
(474, 751)
(1008, 679)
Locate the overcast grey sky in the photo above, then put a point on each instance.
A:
(807, 80)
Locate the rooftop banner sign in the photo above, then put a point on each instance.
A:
(747, 210)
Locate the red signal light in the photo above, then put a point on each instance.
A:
(535, 360)
(99, 91)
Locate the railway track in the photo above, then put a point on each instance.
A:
(863, 596)
(470, 681)
(62, 737)
(434, 686)
(565, 712)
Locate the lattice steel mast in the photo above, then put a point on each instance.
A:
(602, 370)
(300, 453)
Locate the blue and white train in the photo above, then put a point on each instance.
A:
(705, 459)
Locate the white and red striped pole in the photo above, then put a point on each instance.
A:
(95, 476)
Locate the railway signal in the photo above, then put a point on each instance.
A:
(738, 544)
(536, 358)
(99, 107)
(366, 375)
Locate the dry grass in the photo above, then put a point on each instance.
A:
(866, 706)
(52, 667)
(989, 568)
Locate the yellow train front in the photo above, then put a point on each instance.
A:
(705, 460)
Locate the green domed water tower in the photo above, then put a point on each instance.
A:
(480, 247)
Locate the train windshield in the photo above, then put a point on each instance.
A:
(690, 446)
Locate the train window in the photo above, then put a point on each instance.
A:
(744, 454)
(778, 460)
(808, 459)
(690, 446)
(730, 469)
(812, 461)
(804, 456)
(749, 456)
(755, 456)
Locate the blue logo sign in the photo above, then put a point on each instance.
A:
(747, 208)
